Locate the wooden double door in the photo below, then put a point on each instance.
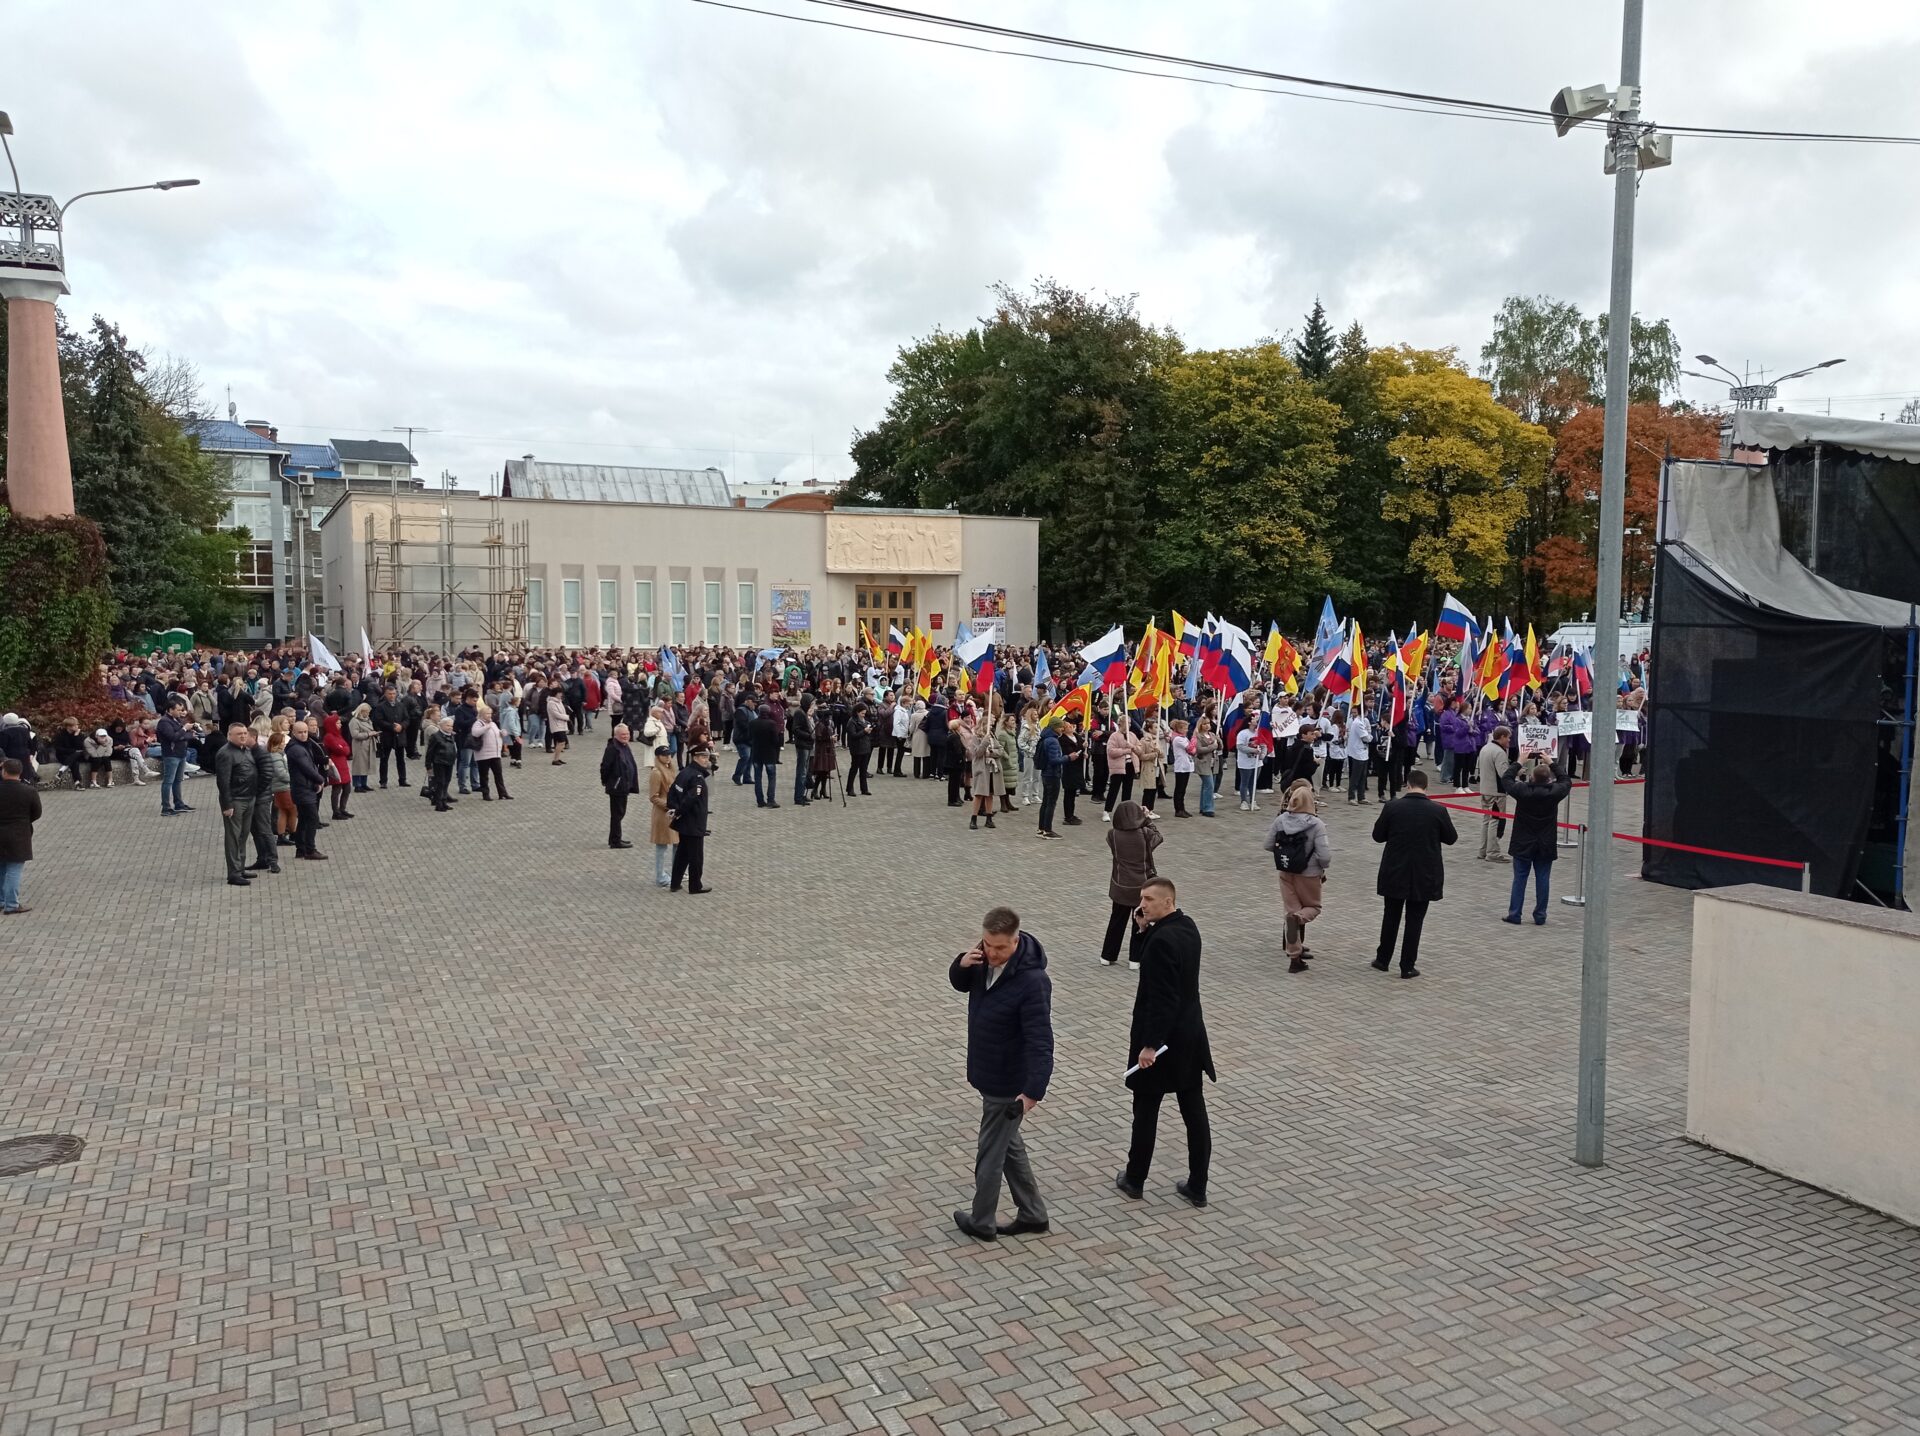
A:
(879, 606)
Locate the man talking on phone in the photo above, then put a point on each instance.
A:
(1009, 1062)
(1168, 1042)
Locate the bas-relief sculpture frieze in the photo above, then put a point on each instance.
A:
(879, 543)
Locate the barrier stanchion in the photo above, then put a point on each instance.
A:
(1578, 897)
(1806, 877)
(1564, 840)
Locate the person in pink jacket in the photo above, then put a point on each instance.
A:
(1123, 762)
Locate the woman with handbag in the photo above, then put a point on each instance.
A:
(1131, 842)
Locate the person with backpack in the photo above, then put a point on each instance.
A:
(1301, 854)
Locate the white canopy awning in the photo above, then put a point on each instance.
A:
(1767, 429)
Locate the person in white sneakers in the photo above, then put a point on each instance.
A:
(1246, 765)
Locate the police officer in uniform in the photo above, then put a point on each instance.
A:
(687, 812)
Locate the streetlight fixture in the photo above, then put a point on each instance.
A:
(1753, 396)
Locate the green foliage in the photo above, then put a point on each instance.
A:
(58, 618)
(1238, 456)
(144, 481)
(1546, 359)
(1313, 351)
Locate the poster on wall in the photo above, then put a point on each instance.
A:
(792, 616)
(989, 613)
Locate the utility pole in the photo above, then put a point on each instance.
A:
(409, 430)
(1623, 140)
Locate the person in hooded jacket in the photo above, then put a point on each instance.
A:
(1168, 1042)
(1302, 854)
(1009, 1063)
(1131, 840)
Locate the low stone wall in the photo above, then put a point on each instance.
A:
(1805, 1041)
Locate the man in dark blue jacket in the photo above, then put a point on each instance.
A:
(1049, 758)
(1009, 1063)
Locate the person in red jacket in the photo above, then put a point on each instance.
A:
(591, 681)
(339, 751)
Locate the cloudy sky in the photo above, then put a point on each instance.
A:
(658, 232)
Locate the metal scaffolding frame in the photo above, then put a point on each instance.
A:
(433, 578)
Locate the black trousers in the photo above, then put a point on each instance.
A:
(953, 787)
(616, 814)
(689, 860)
(1180, 791)
(481, 768)
(1069, 791)
(576, 718)
(1119, 788)
(437, 780)
(1416, 914)
(307, 807)
(390, 747)
(858, 771)
(1146, 1130)
(1049, 795)
(413, 739)
(1119, 923)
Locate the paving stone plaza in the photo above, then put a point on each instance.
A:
(473, 1129)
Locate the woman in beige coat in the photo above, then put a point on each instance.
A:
(983, 755)
(659, 783)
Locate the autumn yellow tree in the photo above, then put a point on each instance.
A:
(1464, 467)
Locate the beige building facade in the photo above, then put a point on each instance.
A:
(605, 574)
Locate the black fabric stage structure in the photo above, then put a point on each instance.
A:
(1780, 702)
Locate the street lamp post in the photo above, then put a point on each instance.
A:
(1631, 146)
(33, 277)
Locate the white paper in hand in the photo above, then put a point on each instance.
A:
(1136, 1066)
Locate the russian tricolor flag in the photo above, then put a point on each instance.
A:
(977, 654)
(1455, 619)
(1106, 660)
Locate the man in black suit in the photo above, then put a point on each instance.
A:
(1412, 873)
(1166, 1013)
(620, 776)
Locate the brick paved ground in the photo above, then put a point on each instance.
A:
(473, 1130)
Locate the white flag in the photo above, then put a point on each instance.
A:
(321, 654)
(366, 648)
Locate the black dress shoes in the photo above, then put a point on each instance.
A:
(1127, 1188)
(1020, 1227)
(964, 1221)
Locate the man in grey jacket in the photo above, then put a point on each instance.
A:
(1490, 768)
(239, 781)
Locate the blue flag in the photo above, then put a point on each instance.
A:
(671, 666)
(1042, 670)
(962, 634)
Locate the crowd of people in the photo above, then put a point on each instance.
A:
(301, 743)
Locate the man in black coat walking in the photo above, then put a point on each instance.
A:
(1168, 1042)
(1009, 1063)
(687, 813)
(307, 769)
(390, 720)
(1412, 872)
(620, 776)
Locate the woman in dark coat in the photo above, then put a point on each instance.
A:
(1131, 840)
(1536, 807)
(825, 761)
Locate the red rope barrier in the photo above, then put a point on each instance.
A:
(1635, 838)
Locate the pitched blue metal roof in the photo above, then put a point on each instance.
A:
(318, 457)
(224, 437)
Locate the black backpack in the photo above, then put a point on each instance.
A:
(1293, 851)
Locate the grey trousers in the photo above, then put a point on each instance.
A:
(1003, 1154)
(1490, 827)
(237, 829)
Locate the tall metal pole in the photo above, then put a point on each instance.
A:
(1623, 137)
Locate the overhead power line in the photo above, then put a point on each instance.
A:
(1315, 87)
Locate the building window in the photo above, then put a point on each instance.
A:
(746, 615)
(536, 610)
(253, 515)
(319, 516)
(320, 620)
(253, 566)
(643, 613)
(677, 612)
(609, 612)
(570, 612)
(713, 614)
